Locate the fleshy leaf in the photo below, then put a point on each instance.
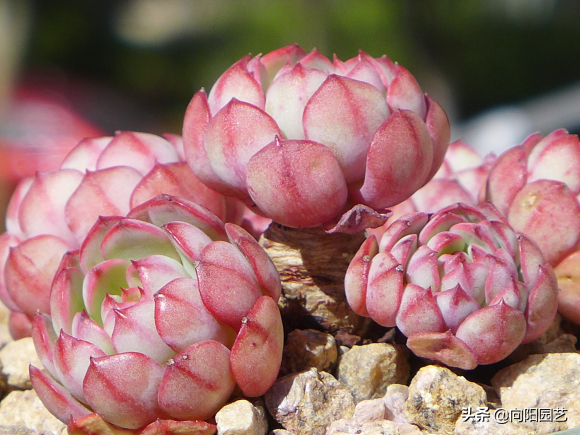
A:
(197, 382)
(165, 208)
(123, 388)
(105, 278)
(227, 283)
(83, 157)
(132, 239)
(444, 347)
(30, 269)
(357, 276)
(137, 150)
(419, 311)
(257, 352)
(357, 219)
(44, 338)
(71, 361)
(493, 332)
(262, 265)
(385, 289)
(297, 183)
(234, 135)
(344, 114)
(66, 298)
(55, 397)
(182, 319)
(177, 179)
(49, 193)
(104, 192)
(135, 331)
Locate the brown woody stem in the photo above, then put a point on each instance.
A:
(312, 265)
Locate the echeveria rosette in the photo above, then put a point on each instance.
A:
(159, 315)
(536, 185)
(301, 139)
(52, 213)
(461, 285)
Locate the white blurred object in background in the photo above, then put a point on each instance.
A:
(503, 127)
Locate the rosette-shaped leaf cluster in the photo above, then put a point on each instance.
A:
(158, 316)
(537, 187)
(460, 284)
(300, 138)
(52, 213)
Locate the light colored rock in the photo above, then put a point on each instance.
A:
(395, 401)
(379, 427)
(370, 410)
(554, 340)
(5, 336)
(366, 371)
(15, 358)
(241, 418)
(4, 314)
(24, 409)
(281, 432)
(306, 403)
(309, 348)
(437, 397)
(378, 416)
(548, 381)
(490, 427)
(17, 430)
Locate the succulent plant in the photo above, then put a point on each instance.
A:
(52, 213)
(461, 285)
(156, 319)
(536, 185)
(302, 139)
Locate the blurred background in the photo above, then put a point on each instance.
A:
(502, 69)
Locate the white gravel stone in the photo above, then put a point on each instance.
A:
(437, 397)
(550, 382)
(25, 410)
(306, 403)
(241, 418)
(367, 371)
(15, 358)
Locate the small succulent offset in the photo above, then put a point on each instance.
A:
(461, 285)
(52, 213)
(156, 319)
(301, 139)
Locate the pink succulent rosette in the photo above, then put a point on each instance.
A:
(301, 139)
(537, 187)
(52, 213)
(156, 318)
(461, 285)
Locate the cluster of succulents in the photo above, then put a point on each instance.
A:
(149, 312)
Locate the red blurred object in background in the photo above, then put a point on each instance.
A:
(40, 129)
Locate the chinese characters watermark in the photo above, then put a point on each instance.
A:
(526, 415)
